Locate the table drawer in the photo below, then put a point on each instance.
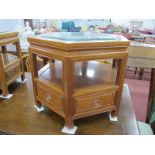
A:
(13, 71)
(49, 97)
(87, 103)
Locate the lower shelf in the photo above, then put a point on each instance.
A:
(95, 89)
(87, 74)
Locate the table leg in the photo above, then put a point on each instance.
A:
(119, 81)
(3, 80)
(68, 87)
(19, 53)
(141, 73)
(151, 95)
(4, 49)
(114, 62)
(34, 72)
(84, 68)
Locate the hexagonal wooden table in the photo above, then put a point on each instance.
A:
(80, 81)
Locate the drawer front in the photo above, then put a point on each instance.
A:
(13, 72)
(88, 103)
(50, 98)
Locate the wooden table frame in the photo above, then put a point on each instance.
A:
(7, 66)
(69, 53)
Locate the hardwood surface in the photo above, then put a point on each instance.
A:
(73, 48)
(18, 116)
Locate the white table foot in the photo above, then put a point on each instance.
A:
(39, 109)
(69, 130)
(6, 97)
(20, 81)
(114, 119)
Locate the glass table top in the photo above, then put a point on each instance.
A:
(79, 36)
